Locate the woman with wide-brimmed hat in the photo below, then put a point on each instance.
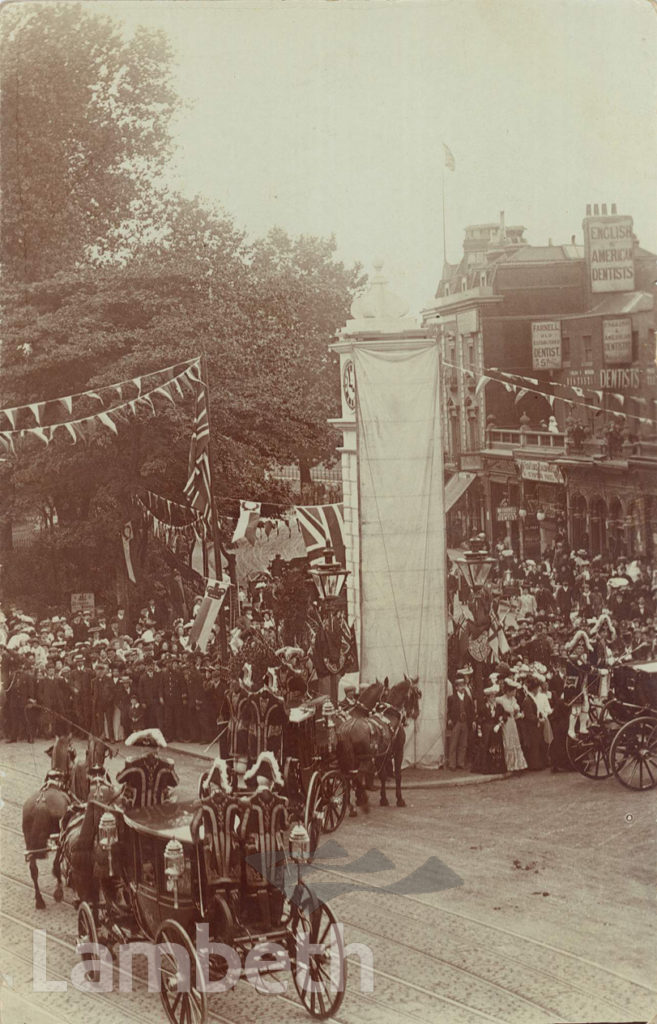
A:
(514, 758)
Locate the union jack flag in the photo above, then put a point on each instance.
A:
(321, 525)
(198, 489)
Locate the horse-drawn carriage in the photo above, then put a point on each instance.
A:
(621, 737)
(208, 881)
(302, 738)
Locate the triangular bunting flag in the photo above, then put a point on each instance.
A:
(94, 394)
(71, 429)
(521, 394)
(108, 421)
(67, 402)
(11, 416)
(481, 384)
(578, 392)
(36, 408)
(164, 390)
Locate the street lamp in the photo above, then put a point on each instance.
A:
(475, 564)
(328, 576)
(540, 515)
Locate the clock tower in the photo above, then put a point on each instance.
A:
(393, 494)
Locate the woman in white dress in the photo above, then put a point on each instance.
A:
(513, 755)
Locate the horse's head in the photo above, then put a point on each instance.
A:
(372, 694)
(62, 755)
(96, 753)
(406, 696)
(412, 702)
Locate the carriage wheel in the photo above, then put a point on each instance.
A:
(88, 934)
(182, 991)
(311, 812)
(333, 799)
(634, 754)
(589, 753)
(320, 977)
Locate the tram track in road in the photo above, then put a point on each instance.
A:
(336, 873)
(473, 1013)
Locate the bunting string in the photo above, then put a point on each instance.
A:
(79, 429)
(514, 382)
(37, 408)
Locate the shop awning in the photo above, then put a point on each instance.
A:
(456, 487)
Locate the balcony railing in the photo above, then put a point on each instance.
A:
(500, 437)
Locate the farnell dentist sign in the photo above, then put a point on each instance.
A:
(610, 249)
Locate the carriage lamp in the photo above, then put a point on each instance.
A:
(108, 835)
(328, 712)
(328, 576)
(299, 844)
(174, 867)
(474, 565)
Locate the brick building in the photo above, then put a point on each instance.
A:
(578, 322)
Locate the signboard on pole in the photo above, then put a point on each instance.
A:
(206, 616)
(83, 603)
(546, 345)
(610, 252)
(617, 340)
(506, 514)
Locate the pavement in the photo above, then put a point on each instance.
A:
(412, 778)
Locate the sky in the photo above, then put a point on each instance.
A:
(329, 118)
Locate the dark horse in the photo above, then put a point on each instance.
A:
(43, 811)
(90, 782)
(377, 740)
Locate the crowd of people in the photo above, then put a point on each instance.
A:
(559, 627)
(527, 654)
(108, 677)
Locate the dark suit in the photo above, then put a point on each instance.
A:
(460, 716)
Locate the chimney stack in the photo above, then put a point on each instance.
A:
(604, 209)
(596, 210)
(572, 239)
(588, 209)
(613, 209)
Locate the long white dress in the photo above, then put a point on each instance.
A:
(513, 755)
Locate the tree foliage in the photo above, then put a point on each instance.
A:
(108, 277)
(84, 117)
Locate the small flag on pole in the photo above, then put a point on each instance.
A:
(450, 162)
(198, 487)
(215, 595)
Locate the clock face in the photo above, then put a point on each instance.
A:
(349, 384)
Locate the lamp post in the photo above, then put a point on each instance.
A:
(329, 578)
(522, 515)
(475, 563)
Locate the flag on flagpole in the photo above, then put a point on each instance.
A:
(197, 490)
(247, 522)
(127, 537)
(321, 525)
(206, 616)
(450, 162)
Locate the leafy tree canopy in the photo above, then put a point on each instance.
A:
(84, 118)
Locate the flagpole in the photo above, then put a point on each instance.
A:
(444, 235)
(213, 511)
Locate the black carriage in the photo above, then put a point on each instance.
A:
(621, 738)
(303, 740)
(219, 870)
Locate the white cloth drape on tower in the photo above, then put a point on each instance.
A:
(403, 592)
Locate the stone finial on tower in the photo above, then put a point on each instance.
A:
(378, 309)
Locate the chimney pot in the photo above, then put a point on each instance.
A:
(572, 239)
